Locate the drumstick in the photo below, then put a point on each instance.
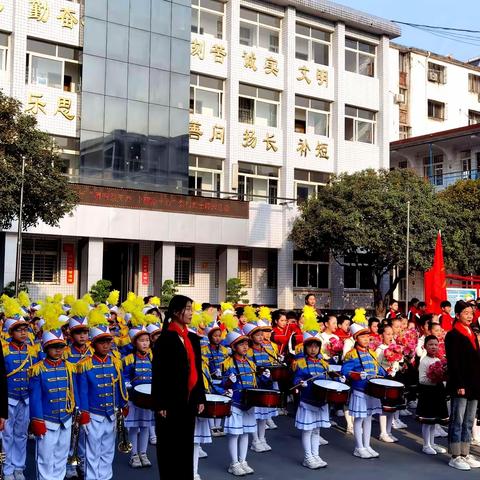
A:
(307, 380)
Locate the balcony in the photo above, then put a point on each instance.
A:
(445, 180)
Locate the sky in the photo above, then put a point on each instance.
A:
(463, 14)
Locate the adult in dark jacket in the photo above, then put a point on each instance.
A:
(177, 390)
(463, 359)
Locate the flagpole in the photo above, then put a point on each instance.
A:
(407, 262)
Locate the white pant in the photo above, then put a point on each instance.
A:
(52, 453)
(15, 437)
(100, 448)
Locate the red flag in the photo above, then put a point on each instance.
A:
(435, 283)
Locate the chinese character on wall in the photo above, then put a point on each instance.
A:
(303, 74)
(68, 18)
(63, 106)
(197, 49)
(249, 60)
(218, 133)
(271, 66)
(303, 147)
(219, 53)
(322, 77)
(194, 130)
(270, 143)
(39, 11)
(321, 150)
(249, 139)
(35, 104)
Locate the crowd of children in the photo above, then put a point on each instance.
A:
(73, 367)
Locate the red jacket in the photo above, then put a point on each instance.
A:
(446, 321)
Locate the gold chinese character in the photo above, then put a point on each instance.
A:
(304, 70)
(271, 66)
(68, 18)
(321, 150)
(270, 142)
(197, 49)
(322, 77)
(249, 139)
(194, 130)
(63, 106)
(303, 147)
(39, 10)
(218, 133)
(36, 104)
(249, 60)
(219, 53)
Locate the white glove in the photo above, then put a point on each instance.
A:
(303, 384)
(266, 373)
(280, 358)
(233, 378)
(217, 373)
(85, 428)
(342, 379)
(363, 375)
(128, 385)
(229, 393)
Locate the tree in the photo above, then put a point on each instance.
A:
(361, 219)
(9, 288)
(100, 290)
(235, 292)
(169, 290)
(47, 194)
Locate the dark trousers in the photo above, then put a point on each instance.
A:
(174, 456)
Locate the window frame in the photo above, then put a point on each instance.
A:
(356, 120)
(436, 69)
(245, 277)
(359, 52)
(473, 115)
(311, 263)
(197, 86)
(311, 110)
(198, 8)
(474, 83)
(308, 183)
(436, 178)
(243, 193)
(256, 100)
(42, 253)
(258, 24)
(217, 176)
(191, 260)
(4, 65)
(435, 104)
(272, 268)
(311, 40)
(358, 276)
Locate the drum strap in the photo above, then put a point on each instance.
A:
(238, 370)
(362, 364)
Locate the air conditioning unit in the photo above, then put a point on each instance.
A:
(433, 76)
(399, 98)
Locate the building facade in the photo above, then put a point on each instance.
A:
(280, 96)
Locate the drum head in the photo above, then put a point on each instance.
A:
(331, 385)
(265, 390)
(385, 382)
(217, 398)
(145, 388)
(334, 368)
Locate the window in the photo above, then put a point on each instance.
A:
(69, 152)
(436, 110)
(474, 83)
(403, 164)
(359, 57)
(403, 92)
(245, 267)
(205, 174)
(466, 159)
(473, 117)
(308, 183)
(272, 267)
(433, 169)
(53, 65)
(206, 95)
(403, 62)
(259, 30)
(359, 125)
(257, 183)
(40, 260)
(312, 45)
(310, 272)
(3, 51)
(207, 17)
(258, 106)
(312, 116)
(437, 73)
(405, 132)
(184, 265)
(356, 277)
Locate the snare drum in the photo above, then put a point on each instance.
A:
(280, 373)
(328, 391)
(142, 396)
(257, 397)
(216, 406)
(388, 391)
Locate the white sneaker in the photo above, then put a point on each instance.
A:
(384, 437)
(373, 453)
(135, 461)
(405, 413)
(257, 447)
(71, 472)
(427, 449)
(9, 477)
(333, 423)
(153, 440)
(144, 460)
(398, 424)
(310, 462)
(475, 442)
(18, 474)
(271, 425)
(323, 441)
(395, 439)
(202, 453)
(439, 449)
(236, 469)
(246, 467)
(321, 463)
(362, 453)
(439, 431)
(266, 447)
(197, 477)
(472, 461)
(340, 413)
(459, 463)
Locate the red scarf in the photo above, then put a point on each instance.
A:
(467, 331)
(192, 369)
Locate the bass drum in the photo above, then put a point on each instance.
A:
(216, 406)
(257, 397)
(329, 391)
(142, 396)
(390, 392)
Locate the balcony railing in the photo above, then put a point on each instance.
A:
(447, 179)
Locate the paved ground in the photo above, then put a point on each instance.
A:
(401, 461)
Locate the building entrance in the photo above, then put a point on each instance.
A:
(120, 266)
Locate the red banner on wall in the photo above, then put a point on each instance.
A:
(69, 249)
(145, 270)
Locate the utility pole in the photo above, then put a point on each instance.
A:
(18, 263)
(407, 262)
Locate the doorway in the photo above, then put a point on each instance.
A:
(120, 266)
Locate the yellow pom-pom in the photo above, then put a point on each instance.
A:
(96, 317)
(226, 306)
(88, 298)
(11, 307)
(310, 319)
(138, 318)
(24, 299)
(50, 312)
(149, 318)
(360, 317)
(80, 308)
(197, 319)
(58, 297)
(229, 321)
(155, 301)
(113, 297)
(265, 314)
(131, 297)
(197, 307)
(250, 313)
(102, 308)
(69, 300)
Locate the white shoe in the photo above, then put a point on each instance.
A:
(349, 431)
(398, 424)
(135, 461)
(246, 467)
(372, 452)
(362, 453)
(340, 413)
(18, 474)
(321, 463)
(266, 447)
(310, 462)
(395, 439)
(153, 440)
(475, 442)
(384, 437)
(202, 453)
(472, 461)
(257, 447)
(144, 460)
(236, 469)
(323, 441)
(197, 477)
(333, 423)
(405, 413)
(9, 477)
(71, 472)
(427, 449)
(412, 404)
(439, 449)
(439, 431)
(271, 425)
(459, 463)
